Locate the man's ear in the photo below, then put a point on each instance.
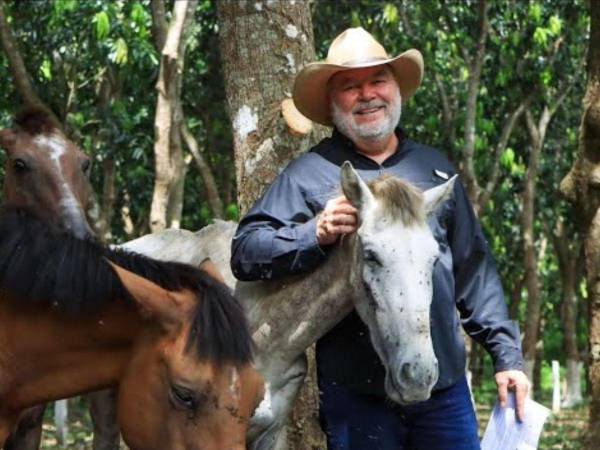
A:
(436, 196)
(152, 300)
(355, 189)
(8, 139)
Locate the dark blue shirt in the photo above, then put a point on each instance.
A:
(278, 238)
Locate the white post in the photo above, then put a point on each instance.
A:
(60, 421)
(556, 385)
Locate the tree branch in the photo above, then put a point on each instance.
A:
(212, 192)
(507, 129)
(21, 78)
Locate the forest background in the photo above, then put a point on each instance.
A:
(502, 97)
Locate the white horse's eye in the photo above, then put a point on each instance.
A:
(371, 258)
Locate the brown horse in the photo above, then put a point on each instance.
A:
(47, 175)
(52, 346)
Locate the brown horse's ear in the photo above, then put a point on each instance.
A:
(152, 300)
(211, 268)
(8, 138)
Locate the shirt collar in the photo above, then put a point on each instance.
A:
(350, 152)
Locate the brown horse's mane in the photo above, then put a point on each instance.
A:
(49, 268)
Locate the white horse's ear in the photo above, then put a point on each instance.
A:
(355, 189)
(436, 196)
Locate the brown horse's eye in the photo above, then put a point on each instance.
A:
(20, 166)
(85, 166)
(183, 398)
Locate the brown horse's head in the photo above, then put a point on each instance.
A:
(173, 397)
(46, 174)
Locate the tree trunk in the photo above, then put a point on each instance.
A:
(582, 187)
(532, 317)
(568, 265)
(263, 45)
(169, 164)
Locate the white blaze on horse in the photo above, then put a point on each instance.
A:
(384, 271)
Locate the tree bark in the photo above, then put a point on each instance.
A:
(581, 186)
(169, 164)
(263, 45)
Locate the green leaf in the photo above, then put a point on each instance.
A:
(464, 74)
(102, 25)
(501, 78)
(232, 212)
(535, 12)
(507, 159)
(355, 21)
(121, 51)
(390, 13)
(546, 77)
(555, 25)
(540, 36)
(63, 6)
(46, 69)
(138, 14)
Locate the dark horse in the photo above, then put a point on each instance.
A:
(46, 176)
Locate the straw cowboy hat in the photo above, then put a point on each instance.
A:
(354, 48)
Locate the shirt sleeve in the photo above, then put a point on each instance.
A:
(278, 235)
(478, 290)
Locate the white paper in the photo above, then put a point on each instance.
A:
(504, 432)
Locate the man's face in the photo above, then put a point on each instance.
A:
(365, 103)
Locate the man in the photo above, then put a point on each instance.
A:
(359, 90)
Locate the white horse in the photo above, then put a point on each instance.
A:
(384, 271)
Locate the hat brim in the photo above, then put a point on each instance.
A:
(310, 87)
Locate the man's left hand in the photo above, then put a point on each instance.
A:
(513, 380)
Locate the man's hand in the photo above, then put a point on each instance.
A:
(517, 381)
(338, 217)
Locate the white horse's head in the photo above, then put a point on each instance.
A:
(398, 253)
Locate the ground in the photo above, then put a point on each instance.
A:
(562, 432)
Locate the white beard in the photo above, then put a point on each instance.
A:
(371, 132)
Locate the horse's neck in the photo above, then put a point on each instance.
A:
(289, 315)
(56, 357)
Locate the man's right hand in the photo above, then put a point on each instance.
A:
(339, 217)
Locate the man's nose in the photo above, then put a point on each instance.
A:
(367, 92)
